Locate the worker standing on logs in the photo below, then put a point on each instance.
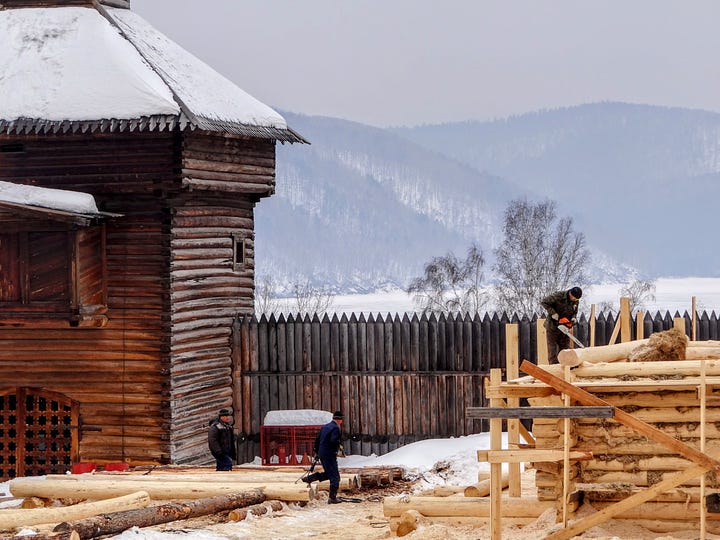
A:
(221, 441)
(562, 308)
(327, 445)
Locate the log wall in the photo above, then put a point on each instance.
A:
(209, 283)
(148, 381)
(117, 373)
(625, 462)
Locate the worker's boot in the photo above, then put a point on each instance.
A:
(333, 495)
(309, 478)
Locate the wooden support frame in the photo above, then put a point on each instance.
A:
(704, 461)
(621, 416)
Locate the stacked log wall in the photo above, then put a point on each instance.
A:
(118, 373)
(624, 460)
(209, 288)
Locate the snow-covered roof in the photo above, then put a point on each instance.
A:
(297, 417)
(54, 204)
(79, 68)
(57, 199)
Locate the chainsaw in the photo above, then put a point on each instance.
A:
(564, 329)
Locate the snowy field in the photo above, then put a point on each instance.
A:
(671, 294)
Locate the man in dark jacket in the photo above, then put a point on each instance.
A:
(326, 447)
(562, 308)
(221, 441)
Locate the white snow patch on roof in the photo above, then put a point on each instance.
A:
(57, 199)
(203, 90)
(298, 417)
(71, 64)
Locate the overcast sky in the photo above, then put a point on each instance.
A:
(408, 62)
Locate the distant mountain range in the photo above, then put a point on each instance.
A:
(363, 208)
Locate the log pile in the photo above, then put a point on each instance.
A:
(106, 503)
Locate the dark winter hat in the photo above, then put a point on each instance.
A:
(338, 415)
(224, 412)
(576, 292)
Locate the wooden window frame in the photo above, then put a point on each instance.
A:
(69, 310)
(239, 246)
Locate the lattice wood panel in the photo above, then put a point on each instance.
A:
(38, 433)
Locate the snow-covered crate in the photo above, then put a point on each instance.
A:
(287, 437)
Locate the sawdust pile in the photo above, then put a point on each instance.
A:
(667, 345)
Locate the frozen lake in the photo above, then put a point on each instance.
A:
(671, 294)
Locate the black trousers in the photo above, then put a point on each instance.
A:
(556, 342)
(330, 472)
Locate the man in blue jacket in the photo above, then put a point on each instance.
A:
(327, 444)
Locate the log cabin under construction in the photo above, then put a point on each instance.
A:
(118, 294)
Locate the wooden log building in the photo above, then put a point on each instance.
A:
(115, 324)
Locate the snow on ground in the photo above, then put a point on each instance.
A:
(457, 465)
(671, 294)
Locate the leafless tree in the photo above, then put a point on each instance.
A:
(450, 284)
(540, 254)
(311, 299)
(266, 296)
(639, 292)
(306, 298)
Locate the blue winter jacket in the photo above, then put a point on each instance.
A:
(327, 441)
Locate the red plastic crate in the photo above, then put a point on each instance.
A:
(287, 445)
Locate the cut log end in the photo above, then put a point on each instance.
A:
(569, 357)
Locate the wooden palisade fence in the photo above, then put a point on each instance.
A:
(399, 379)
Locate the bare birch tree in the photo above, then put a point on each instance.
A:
(451, 284)
(266, 301)
(639, 292)
(311, 299)
(306, 298)
(540, 254)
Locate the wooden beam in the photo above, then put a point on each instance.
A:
(496, 483)
(686, 368)
(566, 452)
(606, 411)
(615, 332)
(624, 418)
(463, 506)
(679, 323)
(512, 371)
(592, 326)
(11, 517)
(601, 353)
(482, 488)
(542, 352)
(530, 454)
(625, 318)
